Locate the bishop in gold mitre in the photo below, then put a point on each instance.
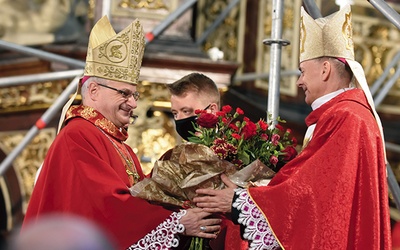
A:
(332, 36)
(112, 56)
(89, 168)
(333, 195)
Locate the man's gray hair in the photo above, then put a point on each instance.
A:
(84, 88)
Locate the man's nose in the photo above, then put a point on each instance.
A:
(131, 102)
(299, 82)
(179, 116)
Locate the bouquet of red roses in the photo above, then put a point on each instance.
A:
(242, 141)
(227, 142)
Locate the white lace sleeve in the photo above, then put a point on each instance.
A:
(257, 230)
(164, 236)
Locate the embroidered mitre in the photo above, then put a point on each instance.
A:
(116, 57)
(329, 36)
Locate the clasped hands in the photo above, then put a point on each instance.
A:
(197, 221)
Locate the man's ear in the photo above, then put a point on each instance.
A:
(93, 90)
(326, 70)
(214, 108)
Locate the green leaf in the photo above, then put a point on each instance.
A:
(196, 243)
(244, 157)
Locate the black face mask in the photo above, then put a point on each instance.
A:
(183, 126)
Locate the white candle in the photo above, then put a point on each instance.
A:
(106, 9)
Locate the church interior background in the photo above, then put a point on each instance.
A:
(220, 38)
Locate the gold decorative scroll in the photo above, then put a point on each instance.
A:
(146, 4)
(29, 160)
(30, 97)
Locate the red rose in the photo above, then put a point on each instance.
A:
(226, 109)
(264, 137)
(234, 127)
(290, 153)
(220, 113)
(239, 111)
(273, 160)
(275, 139)
(207, 120)
(263, 125)
(249, 130)
(278, 126)
(236, 136)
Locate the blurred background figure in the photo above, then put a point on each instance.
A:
(61, 232)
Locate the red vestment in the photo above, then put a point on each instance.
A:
(83, 174)
(333, 195)
(229, 237)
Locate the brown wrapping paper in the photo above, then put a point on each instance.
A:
(188, 167)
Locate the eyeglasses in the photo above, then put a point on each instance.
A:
(125, 93)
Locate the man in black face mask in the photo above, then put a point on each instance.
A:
(192, 92)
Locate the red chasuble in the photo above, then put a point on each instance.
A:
(83, 174)
(333, 195)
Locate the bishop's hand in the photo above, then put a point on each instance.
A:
(214, 201)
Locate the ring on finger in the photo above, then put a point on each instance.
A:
(203, 228)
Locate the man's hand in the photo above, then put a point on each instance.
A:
(216, 200)
(197, 224)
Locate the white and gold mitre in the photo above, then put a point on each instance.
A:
(330, 36)
(114, 56)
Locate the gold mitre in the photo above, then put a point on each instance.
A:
(114, 56)
(329, 36)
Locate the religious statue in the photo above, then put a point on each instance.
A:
(35, 21)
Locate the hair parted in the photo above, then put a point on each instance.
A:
(198, 83)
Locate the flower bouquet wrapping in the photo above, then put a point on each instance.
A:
(227, 142)
(248, 153)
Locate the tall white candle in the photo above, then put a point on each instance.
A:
(106, 9)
